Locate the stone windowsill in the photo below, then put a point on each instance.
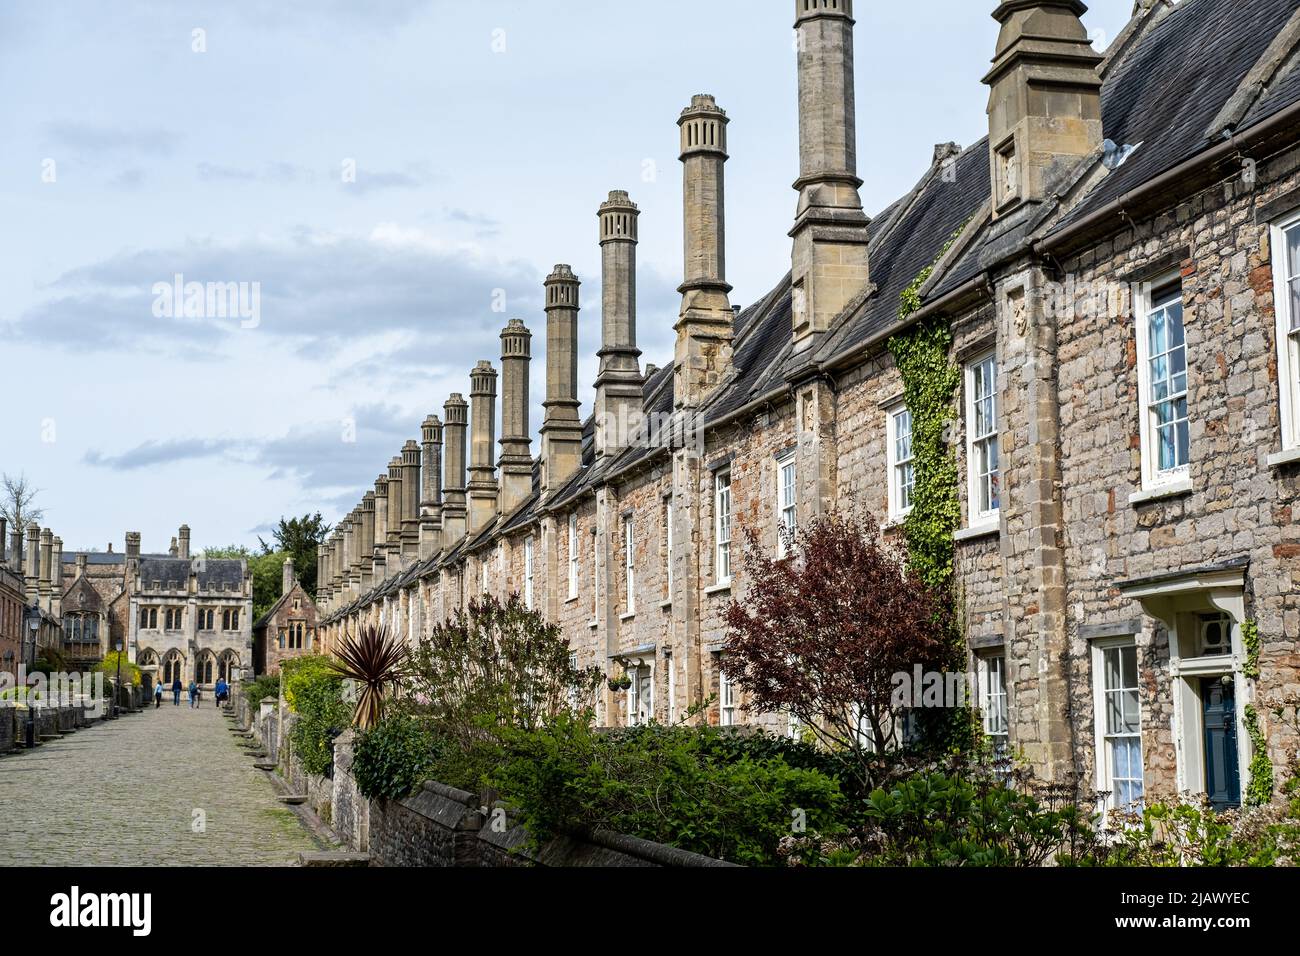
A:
(665, 605)
(721, 588)
(571, 600)
(1170, 489)
(1288, 456)
(895, 522)
(623, 618)
(975, 532)
(593, 624)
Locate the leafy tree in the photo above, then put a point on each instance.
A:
(822, 633)
(496, 666)
(131, 674)
(299, 538)
(267, 570)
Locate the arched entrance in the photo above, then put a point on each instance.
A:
(205, 666)
(227, 664)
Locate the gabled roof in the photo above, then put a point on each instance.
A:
(82, 596)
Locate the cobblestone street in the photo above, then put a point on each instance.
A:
(128, 793)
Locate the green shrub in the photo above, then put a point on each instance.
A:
(301, 671)
(685, 787)
(322, 716)
(109, 668)
(256, 691)
(394, 758)
(941, 819)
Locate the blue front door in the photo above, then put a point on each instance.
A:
(1222, 776)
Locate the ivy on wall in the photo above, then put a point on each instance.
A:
(930, 381)
(1259, 792)
(1250, 638)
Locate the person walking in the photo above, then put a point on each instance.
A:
(194, 692)
(157, 695)
(176, 691)
(222, 691)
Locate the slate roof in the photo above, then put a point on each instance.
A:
(95, 557)
(1168, 89)
(214, 573)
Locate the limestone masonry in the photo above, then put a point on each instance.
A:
(1119, 263)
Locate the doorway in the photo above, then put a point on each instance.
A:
(1222, 770)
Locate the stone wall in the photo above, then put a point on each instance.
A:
(443, 827)
(8, 727)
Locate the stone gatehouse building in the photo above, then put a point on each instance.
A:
(176, 615)
(1118, 263)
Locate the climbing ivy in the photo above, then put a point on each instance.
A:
(1259, 792)
(1250, 638)
(930, 383)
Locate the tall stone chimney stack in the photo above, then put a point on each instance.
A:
(322, 569)
(16, 550)
(56, 578)
(516, 462)
(705, 328)
(183, 538)
(286, 582)
(454, 510)
(33, 569)
(562, 425)
(410, 500)
(4, 541)
(366, 546)
(133, 544)
(1044, 99)
(396, 515)
(619, 382)
(431, 493)
(351, 557)
(379, 546)
(829, 260)
(482, 473)
(44, 580)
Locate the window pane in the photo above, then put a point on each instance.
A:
(1295, 303)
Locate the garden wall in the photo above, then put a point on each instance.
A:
(444, 827)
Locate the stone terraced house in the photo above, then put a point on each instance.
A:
(1118, 264)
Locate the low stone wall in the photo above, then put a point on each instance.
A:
(47, 722)
(444, 827)
(67, 718)
(8, 727)
(349, 810)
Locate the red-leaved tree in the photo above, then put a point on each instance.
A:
(821, 633)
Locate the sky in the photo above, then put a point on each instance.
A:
(388, 183)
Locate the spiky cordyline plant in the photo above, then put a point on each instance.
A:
(375, 659)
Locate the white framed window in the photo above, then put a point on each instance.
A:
(902, 469)
(1286, 297)
(1162, 384)
(528, 571)
(640, 696)
(486, 581)
(573, 556)
(786, 502)
(722, 526)
(1119, 722)
(727, 700)
(629, 565)
(982, 453)
(668, 548)
(992, 687)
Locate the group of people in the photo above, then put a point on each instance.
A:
(222, 693)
